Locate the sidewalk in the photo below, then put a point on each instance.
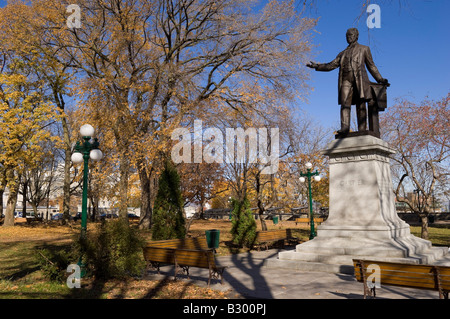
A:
(245, 277)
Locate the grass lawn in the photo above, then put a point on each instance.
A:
(438, 236)
(20, 275)
(21, 278)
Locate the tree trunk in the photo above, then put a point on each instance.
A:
(67, 164)
(424, 220)
(259, 201)
(261, 216)
(35, 211)
(14, 181)
(124, 171)
(1, 202)
(10, 208)
(202, 211)
(94, 204)
(24, 197)
(2, 188)
(145, 221)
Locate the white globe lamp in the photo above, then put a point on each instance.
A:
(96, 155)
(87, 130)
(77, 158)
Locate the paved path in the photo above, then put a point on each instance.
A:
(245, 277)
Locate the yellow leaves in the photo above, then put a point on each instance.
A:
(23, 116)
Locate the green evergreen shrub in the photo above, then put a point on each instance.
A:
(168, 218)
(53, 263)
(113, 251)
(243, 228)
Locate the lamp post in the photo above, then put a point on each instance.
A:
(308, 175)
(82, 152)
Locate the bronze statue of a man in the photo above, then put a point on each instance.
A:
(354, 85)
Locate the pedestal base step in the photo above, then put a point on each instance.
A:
(308, 266)
(344, 263)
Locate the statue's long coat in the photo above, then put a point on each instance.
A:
(359, 57)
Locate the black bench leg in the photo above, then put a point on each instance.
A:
(215, 273)
(153, 266)
(181, 269)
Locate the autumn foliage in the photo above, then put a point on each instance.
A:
(137, 70)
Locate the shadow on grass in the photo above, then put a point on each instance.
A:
(19, 269)
(19, 258)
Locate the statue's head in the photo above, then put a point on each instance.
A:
(352, 35)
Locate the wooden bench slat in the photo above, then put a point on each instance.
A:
(308, 220)
(185, 257)
(444, 277)
(189, 254)
(406, 275)
(190, 243)
(391, 266)
(159, 254)
(268, 236)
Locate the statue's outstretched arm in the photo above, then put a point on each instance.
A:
(326, 66)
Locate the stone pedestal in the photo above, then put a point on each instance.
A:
(362, 220)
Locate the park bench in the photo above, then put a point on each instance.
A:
(307, 220)
(430, 277)
(273, 236)
(186, 243)
(183, 254)
(33, 219)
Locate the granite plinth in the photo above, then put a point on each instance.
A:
(362, 220)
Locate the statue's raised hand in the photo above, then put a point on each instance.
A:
(312, 65)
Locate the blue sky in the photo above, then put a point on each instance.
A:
(411, 50)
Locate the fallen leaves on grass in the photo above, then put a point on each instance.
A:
(38, 232)
(151, 289)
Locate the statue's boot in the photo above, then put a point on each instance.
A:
(345, 120)
(361, 113)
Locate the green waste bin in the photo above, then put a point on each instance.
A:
(275, 220)
(212, 238)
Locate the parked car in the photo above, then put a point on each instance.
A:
(76, 217)
(57, 216)
(133, 216)
(108, 216)
(17, 214)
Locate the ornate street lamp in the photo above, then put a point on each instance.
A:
(308, 175)
(82, 152)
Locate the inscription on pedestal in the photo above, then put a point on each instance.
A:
(365, 156)
(345, 184)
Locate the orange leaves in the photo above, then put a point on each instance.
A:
(23, 115)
